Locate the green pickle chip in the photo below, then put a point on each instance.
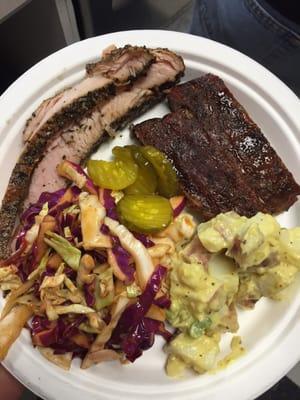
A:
(115, 175)
(136, 170)
(167, 179)
(145, 213)
(122, 153)
(146, 181)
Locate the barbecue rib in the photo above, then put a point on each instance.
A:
(223, 117)
(76, 127)
(223, 160)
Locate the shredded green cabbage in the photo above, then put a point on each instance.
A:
(70, 254)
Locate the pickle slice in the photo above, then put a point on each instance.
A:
(115, 175)
(167, 179)
(144, 213)
(122, 153)
(146, 181)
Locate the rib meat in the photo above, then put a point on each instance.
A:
(223, 160)
(207, 177)
(225, 119)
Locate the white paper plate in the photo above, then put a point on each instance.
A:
(271, 332)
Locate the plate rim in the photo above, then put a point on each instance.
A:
(291, 103)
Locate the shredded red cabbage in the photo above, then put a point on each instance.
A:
(27, 218)
(36, 287)
(109, 203)
(76, 350)
(72, 222)
(163, 302)
(57, 334)
(27, 263)
(20, 239)
(16, 257)
(179, 208)
(75, 192)
(64, 220)
(139, 339)
(51, 198)
(100, 257)
(57, 210)
(39, 324)
(142, 337)
(104, 229)
(67, 329)
(134, 333)
(56, 205)
(123, 259)
(159, 328)
(89, 293)
(147, 242)
(22, 273)
(71, 273)
(44, 332)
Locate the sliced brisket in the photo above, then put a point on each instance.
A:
(77, 142)
(67, 126)
(52, 117)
